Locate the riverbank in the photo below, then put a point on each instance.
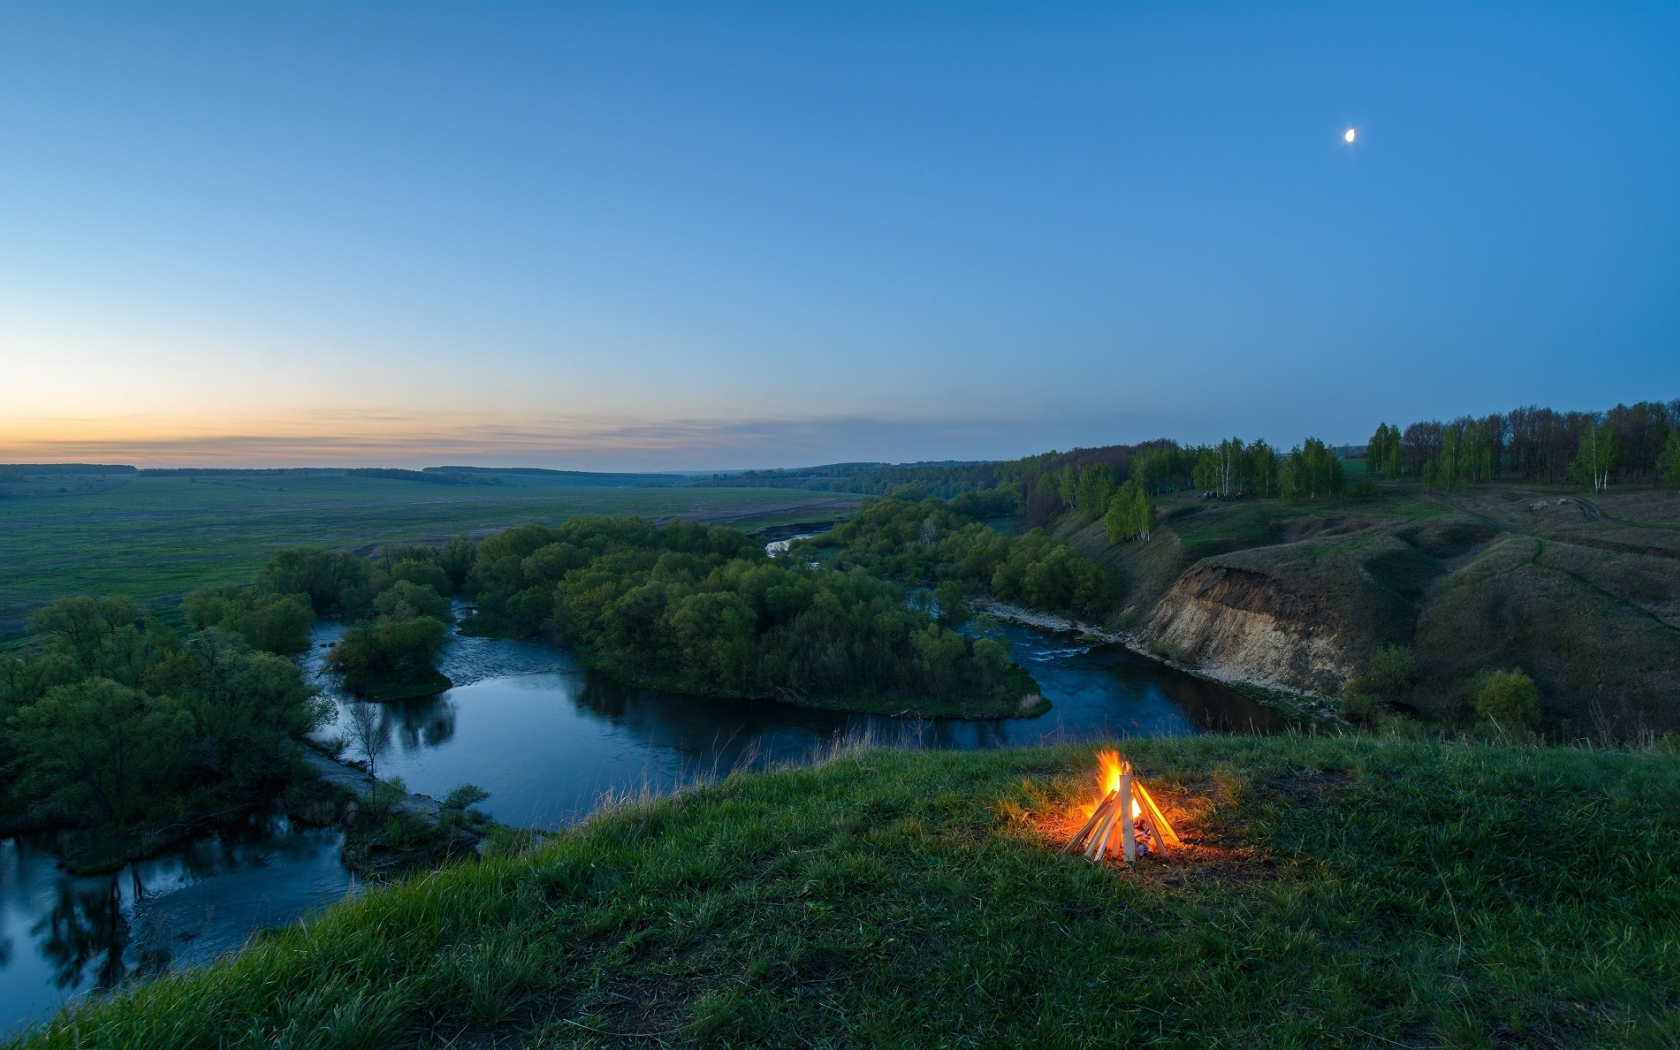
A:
(391, 832)
(1348, 890)
(1307, 707)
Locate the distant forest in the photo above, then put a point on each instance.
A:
(1637, 442)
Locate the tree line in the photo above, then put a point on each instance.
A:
(704, 611)
(1638, 442)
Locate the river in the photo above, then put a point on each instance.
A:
(548, 739)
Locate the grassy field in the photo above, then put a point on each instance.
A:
(155, 538)
(1342, 892)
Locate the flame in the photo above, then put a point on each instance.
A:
(1109, 768)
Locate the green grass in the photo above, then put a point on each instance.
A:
(1349, 891)
(155, 538)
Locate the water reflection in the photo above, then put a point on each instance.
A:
(85, 933)
(420, 723)
(550, 742)
(65, 935)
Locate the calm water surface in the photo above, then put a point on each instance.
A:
(548, 739)
(63, 935)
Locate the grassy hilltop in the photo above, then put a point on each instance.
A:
(1581, 593)
(1349, 891)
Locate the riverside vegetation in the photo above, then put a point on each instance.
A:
(132, 735)
(702, 610)
(127, 734)
(1343, 891)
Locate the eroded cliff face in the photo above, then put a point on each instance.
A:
(1249, 626)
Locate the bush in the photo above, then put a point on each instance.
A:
(1167, 649)
(1508, 697)
(1392, 671)
(1358, 705)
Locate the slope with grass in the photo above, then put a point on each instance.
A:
(1584, 596)
(1350, 891)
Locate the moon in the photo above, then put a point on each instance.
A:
(1349, 135)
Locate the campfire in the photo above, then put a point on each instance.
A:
(1125, 819)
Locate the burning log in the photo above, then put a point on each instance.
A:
(1127, 806)
(1096, 815)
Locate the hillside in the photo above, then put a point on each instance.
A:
(1582, 594)
(1349, 891)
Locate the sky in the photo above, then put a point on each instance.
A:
(722, 235)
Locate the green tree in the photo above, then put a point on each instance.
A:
(1096, 487)
(1131, 515)
(1383, 444)
(1261, 470)
(953, 607)
(99, 749)
(1596, 459)
(388, 653)
(1205, 474)
(333, 581)
(1311, 470)
(425, 574)
(405, 600)
(1668, 463)
(275, 623)
(459, 553)
(82, 625)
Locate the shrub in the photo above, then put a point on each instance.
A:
(1358, 706)
(1393, 670)
(1507, 697)
(1170, 650)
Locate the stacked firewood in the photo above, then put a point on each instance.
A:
(1124, 827)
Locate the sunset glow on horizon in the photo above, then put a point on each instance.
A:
(711, 238)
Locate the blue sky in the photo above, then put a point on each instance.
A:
(721, 235)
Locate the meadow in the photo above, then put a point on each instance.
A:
(155, 538)
(1343, 891)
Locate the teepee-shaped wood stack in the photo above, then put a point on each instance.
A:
(1116, 827)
